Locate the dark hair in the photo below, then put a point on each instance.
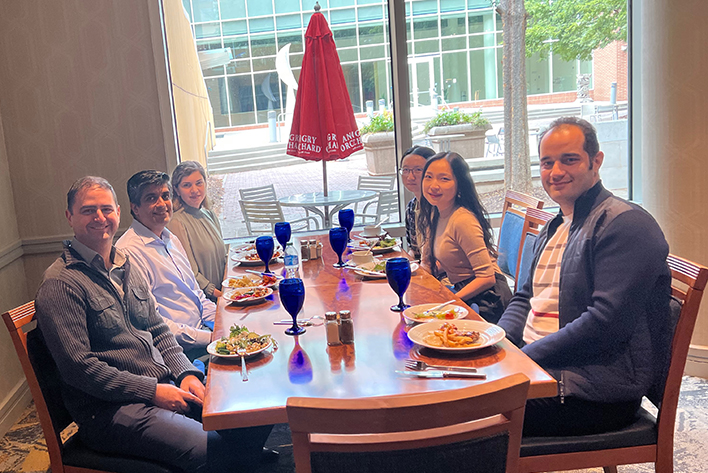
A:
(591, 146)
(466, 197)
(422, 151)
(185, 169)
(141, 181)
(83, 184)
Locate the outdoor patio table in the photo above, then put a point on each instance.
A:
(333, 202)
(306, 366)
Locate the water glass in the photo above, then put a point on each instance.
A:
(398, 274)
(292, 297)
(346, 219)
(283, 233)
(338, 240)
(264, 248)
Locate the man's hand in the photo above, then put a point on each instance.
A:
(192, 385)
(172, 398)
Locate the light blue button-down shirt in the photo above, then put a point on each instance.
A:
(165, 266)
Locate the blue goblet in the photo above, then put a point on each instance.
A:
(398, 274)
(346, 219)
(292, 296)
(264, 248)
(283, 233)
(338, 240)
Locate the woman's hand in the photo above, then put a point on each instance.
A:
(217, 293)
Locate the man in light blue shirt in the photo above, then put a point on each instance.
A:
(161, 258)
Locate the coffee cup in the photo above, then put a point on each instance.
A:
(362, 257)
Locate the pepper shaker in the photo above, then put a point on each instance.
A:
(346, 326)
(304, 251)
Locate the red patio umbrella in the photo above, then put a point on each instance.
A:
(324, 128)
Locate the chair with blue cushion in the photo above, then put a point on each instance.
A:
(650, 438)
(510, 230)
(476, 429)
(533, 221)
(70, 456)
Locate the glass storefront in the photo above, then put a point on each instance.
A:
(454, 46)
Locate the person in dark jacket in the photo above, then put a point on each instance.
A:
(594, 309)
(125, 379)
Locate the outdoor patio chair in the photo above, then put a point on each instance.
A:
(386, 205)
(533, 221)
(510, 230)
(258, 193)
(70, 456)
(261, 216)
(477, 426)
(650, 438)
(375, 183)
(493, 146)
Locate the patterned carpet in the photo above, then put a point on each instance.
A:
(23, 450)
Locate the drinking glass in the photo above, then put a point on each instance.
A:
(346, 219)
(283, 233)
(264, 248)
(338, 240)
(292, 296)
(398, 274)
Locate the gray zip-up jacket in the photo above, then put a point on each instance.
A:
(613, 304)
(108, 349)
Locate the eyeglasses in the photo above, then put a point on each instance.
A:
(415, 171)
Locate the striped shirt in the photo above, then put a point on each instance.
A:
(543, 316)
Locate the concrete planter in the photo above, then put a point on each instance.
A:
(380, 153)
(466, 139)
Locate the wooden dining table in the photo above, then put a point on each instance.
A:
(305, 366)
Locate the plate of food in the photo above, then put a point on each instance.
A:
(377, 269)
(456, 336)
(239, 337)
(417, 313)
(247, 295)
(250, 280)
(251, 258)
(377, 246)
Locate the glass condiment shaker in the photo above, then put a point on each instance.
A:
(319, 249)
(346, 326)
(332, 328)
(313, 249)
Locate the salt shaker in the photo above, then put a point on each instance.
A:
(319, 249)
(346, 326)
(313, 249)
(332, 328)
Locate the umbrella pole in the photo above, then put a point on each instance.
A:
(324, 182)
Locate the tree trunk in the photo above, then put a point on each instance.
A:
(517, 163)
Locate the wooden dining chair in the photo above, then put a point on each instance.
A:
(533, 221)
(70, 456)
(650, 438)
(510, 229)
(478, 427)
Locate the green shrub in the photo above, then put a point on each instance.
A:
(451, 117)
(379, 123)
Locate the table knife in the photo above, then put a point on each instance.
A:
(443, 374)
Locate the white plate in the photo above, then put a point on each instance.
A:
(231, 292)
(490, 334)
(370, 266)
(366, 235)
(357, 245)
(211, 349)
(255, 281)
(460, 312)
(242, 258)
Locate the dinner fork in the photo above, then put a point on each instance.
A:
(415, 365)
(244, 370)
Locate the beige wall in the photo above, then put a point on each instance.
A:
(675, 143)
(82, 91)
(193, 112)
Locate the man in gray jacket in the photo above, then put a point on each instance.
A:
(125, 380)
(594, 310)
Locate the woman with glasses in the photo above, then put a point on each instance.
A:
(197, 227)
(411, 172)
(458, 237)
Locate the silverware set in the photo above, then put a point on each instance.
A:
(422, 369)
